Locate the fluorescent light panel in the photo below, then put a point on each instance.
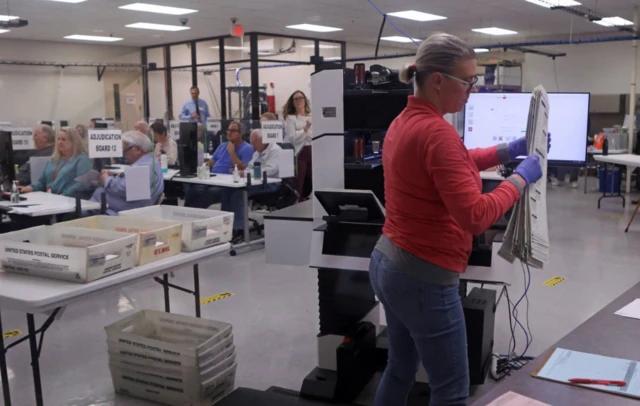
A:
(494, 31)
(157, 27)
(93, 38)
(8, 18)
(555, 3)
(614, 22)
(481, 50)
(69, 1)
(153, 8)
(416, 16)
(322, 46)
(314, 28)
(397, 38)
(4, 31)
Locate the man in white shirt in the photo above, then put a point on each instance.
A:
(268, 156)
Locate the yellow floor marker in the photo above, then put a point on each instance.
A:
(554, 281)
(616, 216)
(215, 298)
(11, 334)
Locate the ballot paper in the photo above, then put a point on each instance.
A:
(527, 235)
(514, 399)
(632, 310)
(138, 183)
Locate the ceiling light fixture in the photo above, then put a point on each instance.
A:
(152, 8)
(314, 28)
(92, 38)
(4, 31)
(69, 1)
(322, 46)
(555, 3)
(8, 18)
(481, 50)
(494, 31)
(416, 16)
(614, 22)
(158, 27)
(397, 38)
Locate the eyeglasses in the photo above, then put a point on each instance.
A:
(470, 84)
(232, 130)
(129, 149)
(299, 98)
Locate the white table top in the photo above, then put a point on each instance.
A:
(593, 151)
(624, 159)
(491, 175)
(224, 181)
(32, 294)
(48, 204)
(120, 168)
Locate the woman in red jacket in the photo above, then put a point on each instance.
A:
(434, 206)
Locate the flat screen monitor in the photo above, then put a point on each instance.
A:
(7, 171)
(188, 149)
(373, 110)
(494, 118)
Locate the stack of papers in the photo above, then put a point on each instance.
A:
(527, 235)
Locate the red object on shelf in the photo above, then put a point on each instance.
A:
(271, 98)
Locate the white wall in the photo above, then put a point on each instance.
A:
(603, 68)
(30, 93)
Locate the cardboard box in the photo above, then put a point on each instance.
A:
(71, 254)
(157, 239)
(201, 228)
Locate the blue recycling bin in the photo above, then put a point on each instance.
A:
(609, 180)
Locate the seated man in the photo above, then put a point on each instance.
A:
(44, 138)
(229, 154)
(268, 155)
(138, 151)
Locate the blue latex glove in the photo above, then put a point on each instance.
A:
(519, 147)
(530, 169)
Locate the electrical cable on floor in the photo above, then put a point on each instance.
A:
(392, 24)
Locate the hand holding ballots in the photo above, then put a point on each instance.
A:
(527, 235)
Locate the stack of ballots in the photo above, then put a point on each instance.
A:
(172, 359)
(527, 235)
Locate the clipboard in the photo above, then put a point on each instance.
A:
(599, 388)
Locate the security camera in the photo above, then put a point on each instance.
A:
(184, 20)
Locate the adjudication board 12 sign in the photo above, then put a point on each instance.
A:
(105, 143)
(22, 139)
(272, 131)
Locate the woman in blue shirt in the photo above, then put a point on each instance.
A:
(69, 160)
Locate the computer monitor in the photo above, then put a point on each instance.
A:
(373, 110)
(188, 149)
(7, 170)
(494, 118)
(64, 123)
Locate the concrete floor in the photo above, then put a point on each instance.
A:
(274, 309)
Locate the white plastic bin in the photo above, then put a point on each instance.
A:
(201, 228)
(71, 254)
(157, 239)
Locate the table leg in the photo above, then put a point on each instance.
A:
(3, 370)
(196, 288)
(245, 198)
(165, 286)
(35, 362)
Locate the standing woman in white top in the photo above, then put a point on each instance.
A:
(297, 115)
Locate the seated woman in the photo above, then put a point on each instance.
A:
(69, 160)
(164, 143)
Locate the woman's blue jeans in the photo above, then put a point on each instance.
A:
(425, 323)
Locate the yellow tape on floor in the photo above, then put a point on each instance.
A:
(11, 334)
(554, 281)
(616, 216)
(215, 298)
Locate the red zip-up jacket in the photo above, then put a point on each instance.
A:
(433, 189)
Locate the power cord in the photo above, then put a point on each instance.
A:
(392, 24)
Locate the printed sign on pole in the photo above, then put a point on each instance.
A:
(174, 129)
(214, 125)
(105, 143)
(272, 132)
(22, 139)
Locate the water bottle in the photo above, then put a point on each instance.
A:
(257, 171)
(605, 146)
(15, 192)
(236, 174)
(164, 162)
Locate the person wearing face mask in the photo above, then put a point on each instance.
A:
(69, 160)
(434, 206)
(297, 116)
